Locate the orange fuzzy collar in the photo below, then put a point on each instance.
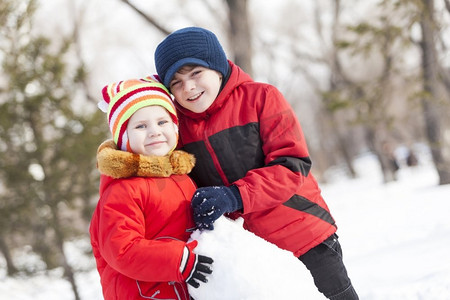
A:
(121, 164)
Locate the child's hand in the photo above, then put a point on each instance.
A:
(209, 203)
(196, 267)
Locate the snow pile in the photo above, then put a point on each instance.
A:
(246, 266)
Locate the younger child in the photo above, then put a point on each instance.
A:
(142, 222)
(252, 157)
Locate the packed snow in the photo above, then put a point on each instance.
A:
(395, 238)
(253, 270)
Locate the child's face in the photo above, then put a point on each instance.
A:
(196, 88)
(151, 131)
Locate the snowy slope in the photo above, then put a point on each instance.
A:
(395, 239)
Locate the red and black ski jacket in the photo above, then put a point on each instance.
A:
(250, 137)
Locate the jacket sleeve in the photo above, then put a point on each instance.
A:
(287, 161)
(122, 241)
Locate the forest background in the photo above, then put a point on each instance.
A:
(362, 76)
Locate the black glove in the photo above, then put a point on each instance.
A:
(201, 268)
(209, 203)
(196, 267)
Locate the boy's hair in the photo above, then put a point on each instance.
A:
(189, 46)
(122, 99)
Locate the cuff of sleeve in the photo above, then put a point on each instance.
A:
(184, 259)
(188, 269)
(235, 191)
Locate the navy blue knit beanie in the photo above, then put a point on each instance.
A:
(191, 45)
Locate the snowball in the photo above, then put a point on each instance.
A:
(246, 266)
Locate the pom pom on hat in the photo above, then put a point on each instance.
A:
(122, 99)
(191, 45)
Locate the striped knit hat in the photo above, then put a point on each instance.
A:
(122, 99)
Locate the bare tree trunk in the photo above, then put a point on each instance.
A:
(343, 146)
(337, 78)
(383, 153)
(447, 5)
(59, 235)
(432, 89)
(240, 38)
(10, 267)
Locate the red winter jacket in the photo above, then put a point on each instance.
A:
(250, 137)
(138, 233)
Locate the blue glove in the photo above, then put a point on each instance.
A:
(209, 203)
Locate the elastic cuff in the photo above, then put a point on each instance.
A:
(184, 259)
(348, 294)
(235, 190)
(189, 268)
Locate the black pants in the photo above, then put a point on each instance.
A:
(328, 271)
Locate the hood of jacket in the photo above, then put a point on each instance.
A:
(121, 164)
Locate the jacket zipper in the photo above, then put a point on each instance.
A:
(153, 297)
(185, 293)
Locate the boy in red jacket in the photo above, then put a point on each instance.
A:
(253, 160)
(143, 220)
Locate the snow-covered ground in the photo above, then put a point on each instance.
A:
(395, 239)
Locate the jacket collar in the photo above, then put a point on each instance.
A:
(121, 164)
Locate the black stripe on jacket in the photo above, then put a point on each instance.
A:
(302, 204)
(302, 165)
(239, 150)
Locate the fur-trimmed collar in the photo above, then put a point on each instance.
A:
(121, 164)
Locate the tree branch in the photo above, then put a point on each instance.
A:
(447, 5)
(77, 44)
(148, 18)
(445, 77)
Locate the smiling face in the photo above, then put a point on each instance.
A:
(151, 131)
(196, 88)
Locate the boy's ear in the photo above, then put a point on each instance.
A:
(175, 126)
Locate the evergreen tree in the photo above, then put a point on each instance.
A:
(49, 134)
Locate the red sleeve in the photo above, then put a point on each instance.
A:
(122, 241)
(286, 156)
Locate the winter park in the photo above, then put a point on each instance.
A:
(396, 236)
(368, 82)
